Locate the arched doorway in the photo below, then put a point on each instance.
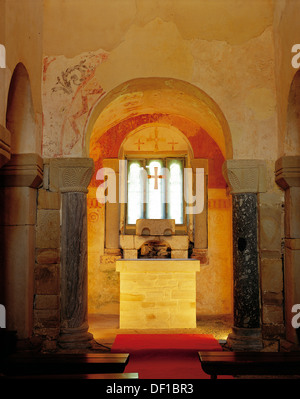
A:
(19, 180)
(121, 125)
(20, 116)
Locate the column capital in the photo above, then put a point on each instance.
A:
(245, 175)
(22, 170)
(70, 174)
(287, 171)
(4, 145)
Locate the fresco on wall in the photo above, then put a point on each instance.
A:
(107, 145)
(70, 90)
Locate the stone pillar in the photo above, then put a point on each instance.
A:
(112, 210)
(200, 220)
(288, 178)
(245, 179)
(19, 180)
(72, 176)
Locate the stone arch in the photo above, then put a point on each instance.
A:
(169, 96)
(135, 105)
(20, 115)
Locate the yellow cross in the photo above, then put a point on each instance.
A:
(139, 143)
(173, 143)
(156, 139)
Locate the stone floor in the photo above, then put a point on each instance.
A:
(105, 328)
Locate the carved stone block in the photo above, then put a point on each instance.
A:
(155, 227)
(22, 170)
(287, 171)
(48, 229)
(130, 254)
(245, 175)
(70, 174)
(48, 200)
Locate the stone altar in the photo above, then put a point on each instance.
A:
(157, 293)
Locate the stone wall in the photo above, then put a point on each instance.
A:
(47, 264)
(158, 294)
(271, 213)
(241, 59)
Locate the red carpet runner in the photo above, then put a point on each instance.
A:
(165, 356)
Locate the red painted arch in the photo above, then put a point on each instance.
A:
(108, 144)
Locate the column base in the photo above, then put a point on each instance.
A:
(113, 251)
(200, 254)
(75, 338)
(245, 339)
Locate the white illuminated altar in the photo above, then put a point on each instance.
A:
(157, 293)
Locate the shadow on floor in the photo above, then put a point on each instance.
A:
(105, 327)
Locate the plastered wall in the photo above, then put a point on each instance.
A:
(77, 52)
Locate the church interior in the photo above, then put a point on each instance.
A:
(149, 173)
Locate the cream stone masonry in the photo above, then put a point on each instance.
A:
(158, 293)
(132, 243)
(287, 176)
(287, 171)
(19, 179)
(153, 227)
(22, 170)
(47, 264)
(5, 149)
(270, 228)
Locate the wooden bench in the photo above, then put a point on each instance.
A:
(108, 376)
(63, 364)
(217, 363)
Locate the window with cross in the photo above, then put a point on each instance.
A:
(155, 189)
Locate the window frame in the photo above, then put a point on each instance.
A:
(180, 227)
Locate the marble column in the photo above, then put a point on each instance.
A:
(287, 172)
(245, 179)
(72, 176)
(19, 180)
